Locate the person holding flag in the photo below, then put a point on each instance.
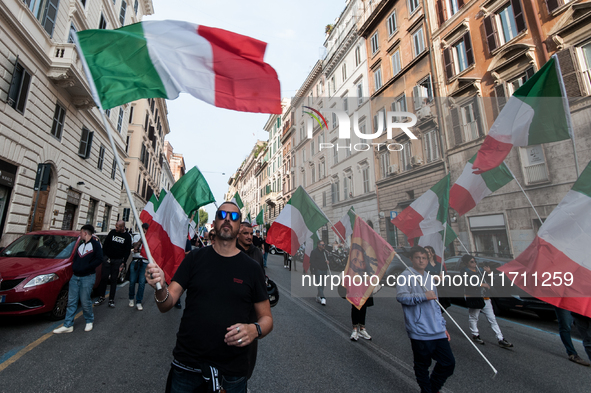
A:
(227, 309)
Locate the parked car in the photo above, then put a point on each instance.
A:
(124, 269)
(503, 297)
(396, 267)
(35, 271)
(274, 250)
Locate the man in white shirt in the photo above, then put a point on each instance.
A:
(137, 269)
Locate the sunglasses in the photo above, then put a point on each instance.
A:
(222, 214)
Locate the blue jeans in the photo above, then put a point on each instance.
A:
(136, 274)
(182, 381)
(424, 352)
(265, 259)
(565, 323)
(583, 324)
(80, 288)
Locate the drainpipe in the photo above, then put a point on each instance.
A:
(540, 42)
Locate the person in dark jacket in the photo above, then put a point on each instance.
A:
(319, 268)
(117, 248)
(88, 256)
(244, 242)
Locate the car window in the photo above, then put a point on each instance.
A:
(41, 246)
(453, 263)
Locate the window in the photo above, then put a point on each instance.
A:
(73, 31)
(396, 64)
(447, 8)
(376, 120)
(131, 115)
(347, 147)
(323, 198)
(516, 83)
(431, 143)
(304, 178)
(120, 119)
(346, 104)
(322, 169)
(384, 164)
(101, 158)
(312, 147)
(106, 218)
(313, 174)
(346, 182)
(412, 6)
(108, 113)
(19, 88)
(335, 191)
(91, 211)
(114, 169)
(102, 22)
(418, 42)
(58, 121)
(458, 56)
(374, 43)
(585, 62)
(466, 122)
(470, 121)
(335, 155)
(357, 56)
(85, 143)
(504, 25)
(344, 72)
(405, 157)
(334, 120)
(377, 77)
(135, 6)
(365, 174)
(304, 155)
(45, 11)
(422, 93)
(391, 22)
(534, 164)
(122, 12)
(360, 93)
(362, 130)
(126, 212)
(399, 105)
(332, 85)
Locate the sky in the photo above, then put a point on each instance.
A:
(218, 140)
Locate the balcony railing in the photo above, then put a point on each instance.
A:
(66, 71)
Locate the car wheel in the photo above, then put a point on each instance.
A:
(546, 315)
(273, 251)
(61, 305)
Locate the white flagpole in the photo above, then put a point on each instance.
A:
(522, 190)
(112, 141)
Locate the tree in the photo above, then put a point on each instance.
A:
(203, 217)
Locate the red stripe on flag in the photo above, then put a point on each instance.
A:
(243, 81)
(408, 222)
(165, 254)
(460, 199)
(541, 257)
(283, 237)
(339, 229)
(491, 155)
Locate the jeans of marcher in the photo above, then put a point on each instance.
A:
(183, 381)
(473, 314)
(425, 351)
(319, 279)
(265, 259)
(565, 323)
(80, 288)
(110, 269)
(137, 268)
(583, 324)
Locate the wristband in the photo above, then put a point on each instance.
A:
(163, 300)
(259, 331)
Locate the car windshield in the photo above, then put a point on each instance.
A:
(41, 246)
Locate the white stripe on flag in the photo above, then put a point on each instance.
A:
(176, 221)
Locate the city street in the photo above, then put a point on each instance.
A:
(308, 351)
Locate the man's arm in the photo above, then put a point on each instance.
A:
(166, 297)
(242, 334)
(404, 296)
(98, 254)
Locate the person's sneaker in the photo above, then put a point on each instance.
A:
(88, 327)
(131, 304)
(355, 334)
(99, 301)
(577, 359)
(64, 329)
(505, 344)
(323, 301)
(363, 333)
(478, 340)
(111, 304)
(139, 307)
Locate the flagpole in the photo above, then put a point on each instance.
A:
(98, 102)
(443, 252)
(454, 321)
(519, 184)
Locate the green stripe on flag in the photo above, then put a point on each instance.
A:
(314, 218)
(192, 191)
(495, 178)
(260, 219)
(583, 183)
(120, 65)
(157, 201)
(238, 200)
(441, 189)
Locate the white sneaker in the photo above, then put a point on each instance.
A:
(139, 307)
(88, 327)
(323, 301)
(355, 334)
(363, 333)
(131, 303)
(64, 329)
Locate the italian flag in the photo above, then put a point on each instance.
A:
(537, 113)
(236, 199)
(435, 240)
(163, 58)
(260, 218)
(471, 188)
(298, 220)
(561, 250)
(344, 227)
(426, 214)
(169, 218)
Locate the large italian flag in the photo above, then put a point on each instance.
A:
(537, 113)
(344, 227)
(560, 253)
(169, 218)
(426, 214)
(299, 219)
(163, 58)
(471, 188)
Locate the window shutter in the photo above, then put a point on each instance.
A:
(501, 98)
(519, 17)
(455, 120)
(568, 68)
(50, 16)
(529, 73)
(460, 4)
(553, 4)
(448, 62)
(89, 144)
(14, 83)
(490, 31)
(416, 98)
(476, 106)
(441, 11)
(468, 46)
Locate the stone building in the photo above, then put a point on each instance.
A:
(50, 129)
(175, 160)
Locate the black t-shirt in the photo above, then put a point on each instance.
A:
(257, 241)
(221, 291)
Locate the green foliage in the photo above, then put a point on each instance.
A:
(203, 217)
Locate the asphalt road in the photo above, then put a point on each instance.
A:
(308, 351)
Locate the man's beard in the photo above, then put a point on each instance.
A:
(224, 235)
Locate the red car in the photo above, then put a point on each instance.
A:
(35, 271)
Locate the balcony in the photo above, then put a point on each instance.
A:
(66, 71)
(271, 198)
